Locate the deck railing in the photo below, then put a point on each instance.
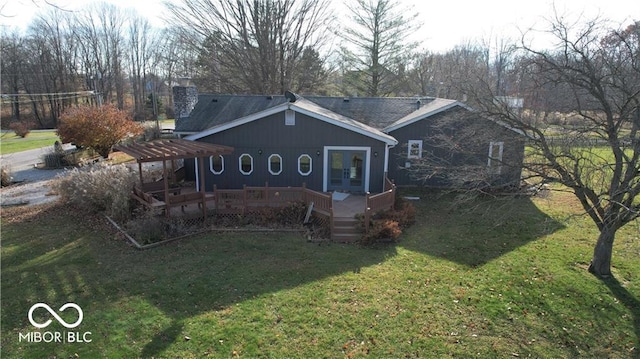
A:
(322, 202)
(378, 202)
(249, 197)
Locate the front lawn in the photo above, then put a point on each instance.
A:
(492, 278)
(10, 143)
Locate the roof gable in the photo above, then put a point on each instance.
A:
(308, 108)
(435, 107)
(432, 108)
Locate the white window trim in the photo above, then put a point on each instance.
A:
(410, 143)
(211, 165)
(240, 164)
(310, 165)
(269, 164)
(326, 164)
(497, 167)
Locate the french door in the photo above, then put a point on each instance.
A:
(347, 169)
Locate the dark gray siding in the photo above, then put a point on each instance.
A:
(487, 131)
(270, 135)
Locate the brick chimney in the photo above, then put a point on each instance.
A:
(184, 100)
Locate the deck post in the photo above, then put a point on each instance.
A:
(367, 213)
(200, 161)
(166, 188)
(331, 225)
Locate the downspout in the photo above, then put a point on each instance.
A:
(386, 163)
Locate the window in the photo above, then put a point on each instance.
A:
(304, 165)
(414, 149)
(495, 156)
(289, 117)
(246, 164)
(216, 164)
(275, 164)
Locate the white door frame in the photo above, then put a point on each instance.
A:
(326, 171)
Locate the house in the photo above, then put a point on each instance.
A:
(330, 143)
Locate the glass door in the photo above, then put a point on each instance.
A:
(356, 169)
(336, 179)
(347, 170)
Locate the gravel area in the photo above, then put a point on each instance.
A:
(31, 187)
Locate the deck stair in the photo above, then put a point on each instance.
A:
(345, 230)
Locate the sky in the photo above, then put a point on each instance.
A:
(445, 23)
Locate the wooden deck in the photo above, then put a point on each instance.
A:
(341, 214)
(350, 206)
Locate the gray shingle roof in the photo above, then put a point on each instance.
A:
(435, 106)
(214, 110)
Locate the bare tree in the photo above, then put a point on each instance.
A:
(143, 46)
(178, 50)
(596, 156)
(99, 33)
(422, 73)
(447, 75)
(377, 49)
(255, 46)
(12, 67)
(53, 70)
(467, 153)
(500, 58)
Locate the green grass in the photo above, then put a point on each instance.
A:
(10, 143)
(492, 278)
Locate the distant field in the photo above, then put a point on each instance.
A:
(10, 143)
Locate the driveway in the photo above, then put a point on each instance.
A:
(32, 185)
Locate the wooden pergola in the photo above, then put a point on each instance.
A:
(171, 150)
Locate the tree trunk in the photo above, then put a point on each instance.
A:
(601, 262)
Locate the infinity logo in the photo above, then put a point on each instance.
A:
(55, 315)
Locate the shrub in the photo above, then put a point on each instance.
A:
(21, 129)
(97, 127)
(73, 158)
(292, 214)
(99, 188)
(275, 217)
(385, 230)
(147, 228)
(5, 177)
(386, 226)
(404, 213)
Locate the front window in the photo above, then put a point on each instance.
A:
(216, 164)
(246, 164)
(275, 164)
(415, 149)
(304, 165)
